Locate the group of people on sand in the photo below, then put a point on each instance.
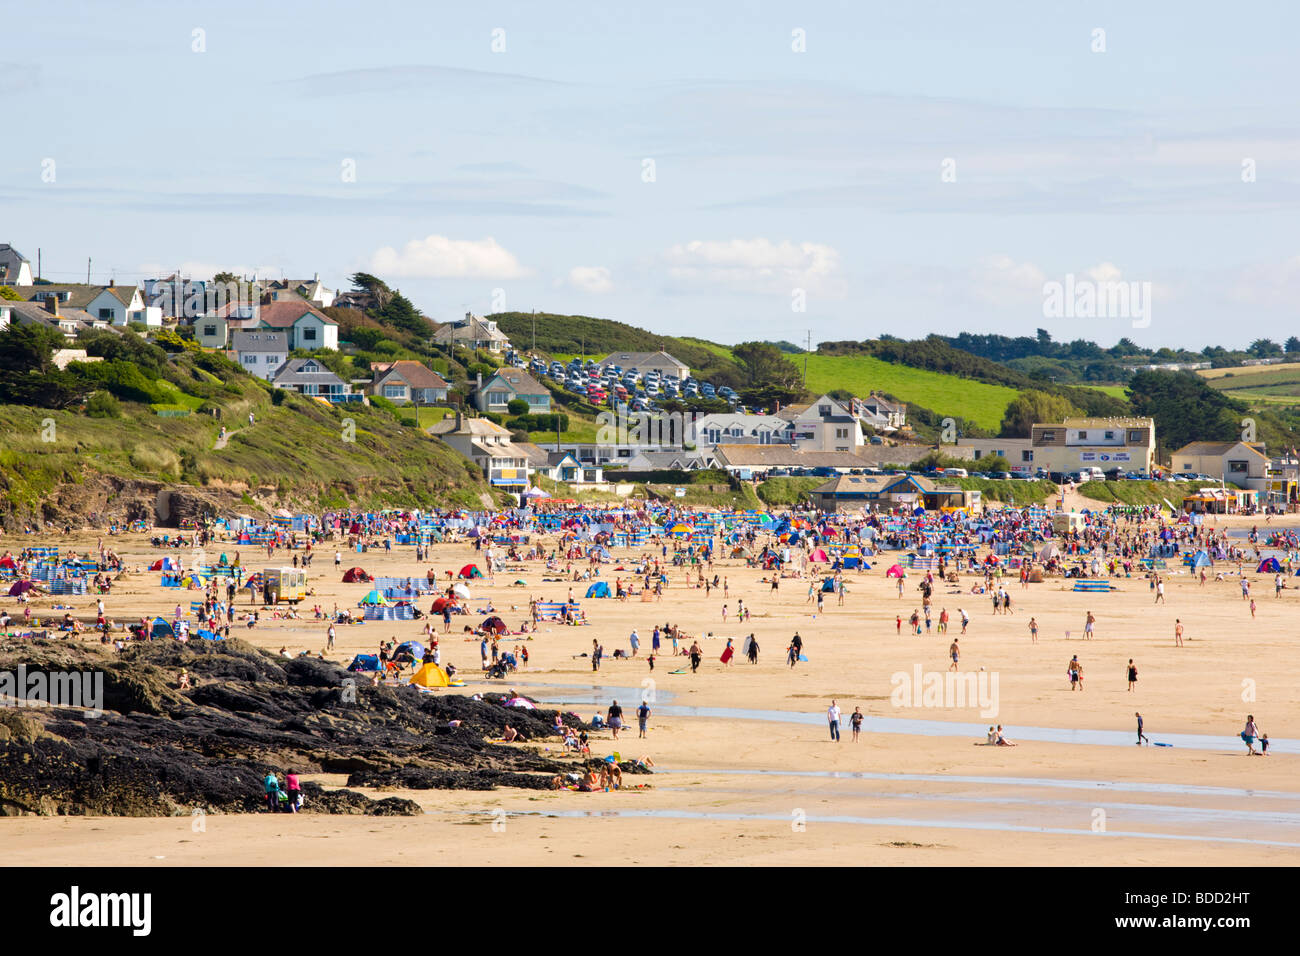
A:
(286, 798)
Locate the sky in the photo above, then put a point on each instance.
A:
(729, 170)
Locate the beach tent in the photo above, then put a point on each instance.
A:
(430, 675)
(1269, 566)
(161, 628)
(470, 571)
(894, 571)
(364, 662)
(819, 554)
(414, 648)
(1200, 560)
(20, 587)
(460, 591)
(374, 597)
(353, 575)
(494, 624)
(439, 604)
(598, 590)
(1049, 551)
(828, 585)
(8, 562)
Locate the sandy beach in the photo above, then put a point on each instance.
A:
(746, 771)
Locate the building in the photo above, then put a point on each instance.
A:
(1234, 462)
(309, 377)
(563, 466)
(856, 492)
(112, 304)
(1019, 452)
(679, 460)
(472, 332)
(825, 424)
(661, 362)
(304, 326)
(212, 330)
(69, 321)
(62, 358)
(15, 269)
(879, 413)
(737, 429)
(508, 384)
(1105, 443)
(259, 352)
(503, 463)
(407, 382)
(311, 290)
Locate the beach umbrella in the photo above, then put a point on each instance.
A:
(494, 624)
(460, 591)
(20, 587)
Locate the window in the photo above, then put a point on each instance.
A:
(1110, 436)
(1238, 467)
(209, 330)
(105, 313)
(394, 391)
(1135, 436)
(309, 334)
(250, 359)
(823, 410)
(1026, 455)
(1083, 436)
(1048, 436)
(841, 433)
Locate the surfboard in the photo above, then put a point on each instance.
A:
(1157, 743)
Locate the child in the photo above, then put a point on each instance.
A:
(1263, 745)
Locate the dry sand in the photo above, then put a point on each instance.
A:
(776, 791)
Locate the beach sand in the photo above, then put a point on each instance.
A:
(756, 779)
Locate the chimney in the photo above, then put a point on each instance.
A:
(52, 304)
(111, 283)
(460, 419)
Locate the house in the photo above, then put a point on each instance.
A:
(737, 429)
(310, 290)
(879, 413)
(309, 377)
(661, 362)
(1129, 443)
(48, 312)
(212, 329)
(305, 326)
(822, 425)
(174, 296)
(857, 492)
(762, 458)
(503, 463)
(407, 383)
(259, 352)
(673, 460)
(472, 332)
(507, 384)
(1019, 452)
(112, 304)
(1235, 462)
(15, 269)
(563, 466)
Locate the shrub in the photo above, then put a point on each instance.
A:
(378, 401)
(517, 406)
(103, 405)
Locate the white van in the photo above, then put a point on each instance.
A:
(1093, 473)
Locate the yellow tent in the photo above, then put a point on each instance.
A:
(430, 675)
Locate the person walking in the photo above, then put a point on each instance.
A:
(1033, 630)
(1178, 632)
(1132, 675)
(1141, 736)
(955, 653)
(855, 722)
(1087, 626)
(1250, 733)
(833, 718)
(642, 718)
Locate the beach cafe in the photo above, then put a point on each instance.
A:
(1222, 501)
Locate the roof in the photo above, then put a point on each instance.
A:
(79, 295)
(282, 314)
(471, 327)
(1214, 448)
(852, 484)
(293, 370)
(538, 457)
(660, 359)
(729, 420)
(520, 382)
(674, 459)
(256, 340)
(410, 371)
(469, 426)
(11, 261)
(783, 455)
(31, 312)
(1120, 422)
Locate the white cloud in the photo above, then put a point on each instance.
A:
(759, 265)
(438, 257)
(593, 279)
(1002, 281)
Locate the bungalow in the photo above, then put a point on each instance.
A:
(854, 492)
(496, 394)
(407, 383)
(879, 413)
(212, 330)
(672, 461)
(472, 332)
(305, 326)
(503, 463)
(15, 268)
(1239, 463)
(308, 377)
(68, 321)
(259, 352)
(309, 290)
(736, 429)
(661, 362)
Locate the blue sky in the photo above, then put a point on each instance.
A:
(516, 177)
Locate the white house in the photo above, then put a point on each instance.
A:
(503, 463)
(305, 326)
(724, 428)
(823, 425)
(259, 352)
(113, 304)
(661, 362)
(15, 269)
(472, 332)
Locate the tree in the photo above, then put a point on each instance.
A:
(1185, 407)
(225, 278)
(767, 375)
(1264, 348)
(517, 406)
(1292, 345)
(1032, 407)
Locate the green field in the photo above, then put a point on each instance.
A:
(1114, 391)
(1274, 385)
(943, 394)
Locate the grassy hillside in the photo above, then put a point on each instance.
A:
(940, 392)
(1141, 492)
(1262, 384)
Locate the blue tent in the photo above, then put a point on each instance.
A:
(598, 590)
(161, 628)
(415, 647)
(364, 662)
(828, 585)
(1199, 560)
(1269, 566)
(208, 635)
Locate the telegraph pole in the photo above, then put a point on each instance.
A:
(807, 348)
